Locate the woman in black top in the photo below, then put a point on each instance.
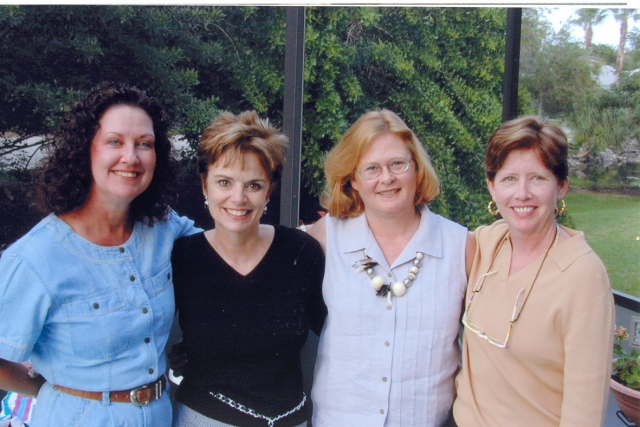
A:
(247, 293)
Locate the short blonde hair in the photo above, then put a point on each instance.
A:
(237, 135)
(339, 198)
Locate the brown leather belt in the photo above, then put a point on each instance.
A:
(139, 396)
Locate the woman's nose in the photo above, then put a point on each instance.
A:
(523, 190)
(385, 174)
(130, 156)
(238, 193)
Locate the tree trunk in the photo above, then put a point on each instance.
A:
(623, 41)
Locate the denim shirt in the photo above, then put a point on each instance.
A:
(90, 317)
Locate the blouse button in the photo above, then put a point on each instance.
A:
(147, 340)
(389, 307)
(132, 278)
(121, 250)
(382, 411)
(151, 370)
(95, 305)
(389, 275)
(145, 310)
(386, 343)
(384, 379)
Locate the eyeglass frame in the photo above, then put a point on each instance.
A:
(514, 317)
(388, 168)
(475, 329)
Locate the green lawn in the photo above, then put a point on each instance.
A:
(611, 224)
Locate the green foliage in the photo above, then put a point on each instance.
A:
(440, 69)
(436, 68)
(557, 72)
(605, 53)
(626, 366)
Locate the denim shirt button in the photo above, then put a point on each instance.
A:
(151, 370)
(95, 305)
(132, 278)
(145, 310)
(121, 250)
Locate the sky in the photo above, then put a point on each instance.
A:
(608, 32)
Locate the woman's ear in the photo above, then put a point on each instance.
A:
(203, 178)
(564, 188)
(353, 183)
(490, 187)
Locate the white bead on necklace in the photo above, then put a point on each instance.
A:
(397, 289)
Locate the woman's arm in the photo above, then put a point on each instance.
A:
(15, 377)
(184, 225)
(588, 348)
(318, 231)
(315, 302)
(470, 252)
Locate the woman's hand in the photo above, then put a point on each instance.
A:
(177, 359)
(18, 378)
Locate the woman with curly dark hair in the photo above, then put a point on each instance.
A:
(88, 290)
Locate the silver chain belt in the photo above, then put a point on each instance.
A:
(240, 407)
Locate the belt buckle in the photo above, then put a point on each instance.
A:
(133, 395)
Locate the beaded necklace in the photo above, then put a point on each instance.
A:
(397, 289)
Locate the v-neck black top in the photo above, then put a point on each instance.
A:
(243, 334)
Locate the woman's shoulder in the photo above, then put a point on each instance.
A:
(191, 242)
(577, 256)
(182, 225)
(292, 238)
(40, 236)
(495, 231)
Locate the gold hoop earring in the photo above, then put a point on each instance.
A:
(563, 209)
(493, 211)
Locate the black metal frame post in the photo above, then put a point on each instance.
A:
(292, 119)
(511, 64)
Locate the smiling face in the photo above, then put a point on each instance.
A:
(237, 195)
(526, 193)
(123, 156)
(388, 193)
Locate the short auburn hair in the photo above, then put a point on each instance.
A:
(237, 135)
(535, 133)
(339, 198)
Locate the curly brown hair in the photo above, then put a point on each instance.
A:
(65, 178)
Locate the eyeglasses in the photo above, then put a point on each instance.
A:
(515, 314)
(479, 332)
(395, 166)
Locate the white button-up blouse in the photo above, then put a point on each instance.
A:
(390, 365)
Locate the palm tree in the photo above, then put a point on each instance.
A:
(587, 19)
(623, 16)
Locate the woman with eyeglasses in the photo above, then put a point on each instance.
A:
(538, 319)
(394, 283)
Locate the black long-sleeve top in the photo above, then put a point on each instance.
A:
(243, 334)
